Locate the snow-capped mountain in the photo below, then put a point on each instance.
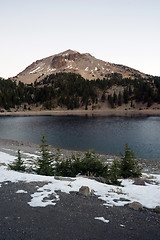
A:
(72, 61)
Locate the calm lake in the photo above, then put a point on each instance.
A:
(103, 134)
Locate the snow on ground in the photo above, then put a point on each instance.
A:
(148, 196)
(21, 191)
(6, 158)
(30, 155)
(121, 225)
(102, 219)
(34, 70)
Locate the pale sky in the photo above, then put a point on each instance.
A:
(119, 31)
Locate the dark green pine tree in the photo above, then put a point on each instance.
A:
(129, 166)
(114, 173)
(115, 99)
(110, 100)
(126, 95)
(103, 97)
(18, 164)
(45, 162)
(119, 99)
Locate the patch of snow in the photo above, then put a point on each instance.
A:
(41, 198)
(30, 155)
(6, 158)
(102, 219)
(37, 152)
(110, 159)
(7, 149)
(51, 70)
(21, 191)
(148, 196)
(70, 67)
(66, 54)
(121, 225)
(34, 70)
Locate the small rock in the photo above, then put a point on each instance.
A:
(136, 206)
(84, 190)
(157, 209)
(140, 182)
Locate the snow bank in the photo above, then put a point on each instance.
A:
(148, 196)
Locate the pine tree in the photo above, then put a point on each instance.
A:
(119, 99)
(110, 100)
(114, 173)
(18, 164)
(103, 97)
(126, 95)
(45, 162)
(129, 167)
(115, 98)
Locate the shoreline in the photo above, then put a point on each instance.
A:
(12, 146)
(92, 113)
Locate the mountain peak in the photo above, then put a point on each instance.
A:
(73, 61)
(69, 51)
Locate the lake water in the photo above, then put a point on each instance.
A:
(103, 134)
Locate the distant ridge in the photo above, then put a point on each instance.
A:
(84, 64)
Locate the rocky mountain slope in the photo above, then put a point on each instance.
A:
(72, 61)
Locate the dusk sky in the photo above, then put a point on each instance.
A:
(119, 31)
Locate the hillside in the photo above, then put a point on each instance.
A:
(85, 64)
(68, 91)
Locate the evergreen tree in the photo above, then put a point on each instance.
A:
(114, 173)
(110, 100)
(126, 95)
(45, 162)
(129, 166)
(119, 99)
(91, 165)
(115, 98)
(18, 164)
(103, 97)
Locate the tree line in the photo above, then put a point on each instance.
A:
(72, 91)
(90, 165)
